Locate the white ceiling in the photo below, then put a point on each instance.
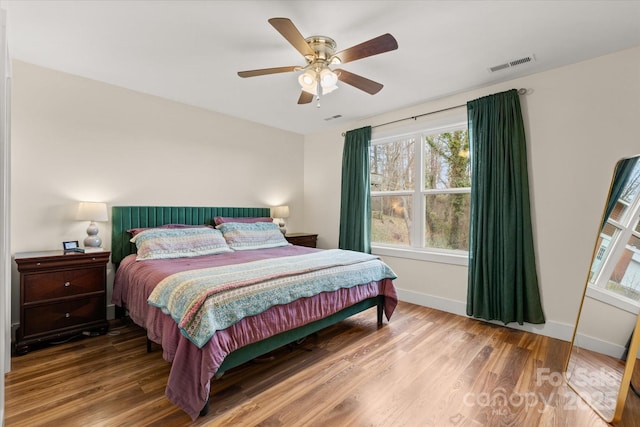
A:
(190, 51)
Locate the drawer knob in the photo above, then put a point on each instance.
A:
(67, 315)
(67, 284)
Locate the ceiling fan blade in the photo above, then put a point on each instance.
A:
(264, 71)
(380, 44)
(359, 82)
(305, 97)
(293, 36)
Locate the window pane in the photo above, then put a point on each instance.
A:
(447, 221)
(392, 165)
(446, 160)
(609, 233)
(391, 219)
(398, 169)
(618, 210)
(625, 279)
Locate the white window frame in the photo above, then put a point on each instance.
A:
(455, 121)
(595, 287)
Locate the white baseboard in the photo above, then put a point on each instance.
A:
(599, 346)
(551, 329)
(14, 328)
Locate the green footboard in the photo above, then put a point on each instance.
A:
(259, 348)
(251, 351)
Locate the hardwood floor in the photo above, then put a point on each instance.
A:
(424, 368)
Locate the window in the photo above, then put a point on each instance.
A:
(615, 272)
(421, 190)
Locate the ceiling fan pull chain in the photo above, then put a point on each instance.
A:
(318, 89)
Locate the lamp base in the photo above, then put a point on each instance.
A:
(92, 240)
(281, 224)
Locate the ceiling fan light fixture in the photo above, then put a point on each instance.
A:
(328, 78)
(320, 53)
(308, 82)
(328, 89)
(307, 78)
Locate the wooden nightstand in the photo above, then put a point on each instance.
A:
(61, 294)
(302, 239)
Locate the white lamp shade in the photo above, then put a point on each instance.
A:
(328, 89)
(307, 78)
(308, 82)
(280, 212)
(328, 78)
(92, 211)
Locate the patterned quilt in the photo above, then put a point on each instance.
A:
(205, 300)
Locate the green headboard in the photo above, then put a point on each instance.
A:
(124, 218)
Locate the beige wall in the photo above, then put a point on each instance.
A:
(579, 120)
(75, 139)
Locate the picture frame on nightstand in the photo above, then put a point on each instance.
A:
(70, 246)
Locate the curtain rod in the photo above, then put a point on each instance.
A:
(521, 91)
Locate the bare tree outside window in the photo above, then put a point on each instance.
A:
(392, 170)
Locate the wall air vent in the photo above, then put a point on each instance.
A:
(512, 63)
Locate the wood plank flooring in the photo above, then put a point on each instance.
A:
(424, 368)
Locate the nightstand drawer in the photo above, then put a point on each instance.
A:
(59, 284)
(45, 318)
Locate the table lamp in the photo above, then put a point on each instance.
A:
(279, 213)
(92, 211)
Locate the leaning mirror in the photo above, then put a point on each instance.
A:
(604, 346)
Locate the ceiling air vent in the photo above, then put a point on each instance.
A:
(512, 63)
(337, 116)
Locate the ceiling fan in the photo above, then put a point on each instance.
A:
(319, 53)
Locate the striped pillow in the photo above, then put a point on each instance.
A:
(164, 243)
(134, 231)
(222, 219)
(256, 235)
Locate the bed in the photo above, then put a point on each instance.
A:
(276, 279)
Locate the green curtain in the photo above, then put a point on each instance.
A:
(355, 202)
(503, 283)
